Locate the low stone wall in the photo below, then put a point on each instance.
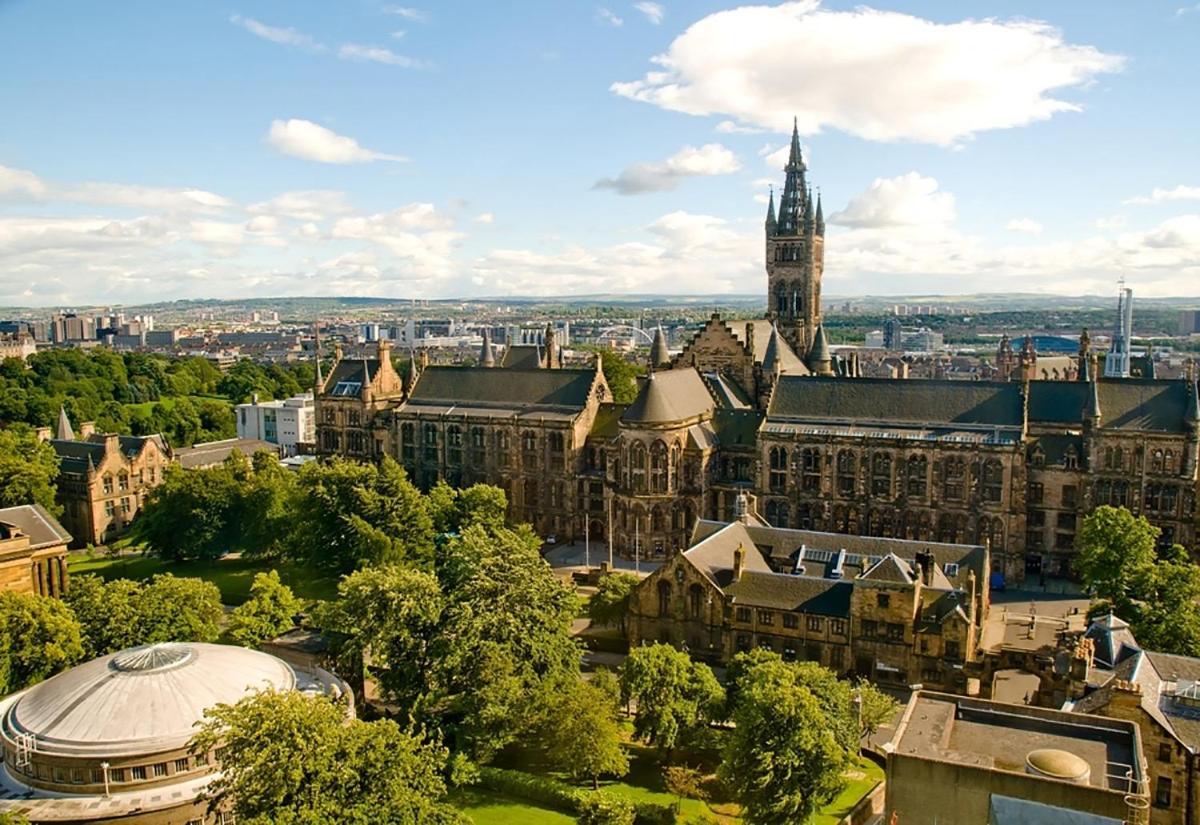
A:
(869, 806)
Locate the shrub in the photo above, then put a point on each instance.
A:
(656, 813)
(599, 808)
(549, 792)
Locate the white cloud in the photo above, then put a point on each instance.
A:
(263, 223)
(485, 217)
(875, 74)
(1110, 222)
(1027, 226)
(728, 127)
(284, 36)
(378, 54)
(19, 183)
(398, 34)
(907, 200)
(407, 13)
(310, 141)
(304, 205)
(654, 12)
(606, 16)
(1178, 193)
(710, 159)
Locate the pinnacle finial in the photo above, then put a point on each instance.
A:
(771, 207)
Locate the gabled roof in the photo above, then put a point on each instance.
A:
(713, 555)
(350, 375)
(1109, 634)
(503, 388)
(35, 521)
(891, 568)
(668, 397)
(913, 402)
(826, 597)
(74, 456)
(727, 393)
(779, 353)
(1142, 404)
(522, 357)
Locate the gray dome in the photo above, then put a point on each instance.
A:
(141, 700)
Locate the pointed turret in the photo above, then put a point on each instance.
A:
(487, 358)
(792, 201)
(819, 359)
(64, 433)
(413, 372)
(770, 222)
(1091, 410)
(660, 356)
(810, 223)
(820, 216)
(318, 378)
(1085, 356)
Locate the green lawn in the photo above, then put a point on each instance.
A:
(486, 808)
(231, 576)
(871, 774)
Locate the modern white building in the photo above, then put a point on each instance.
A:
(285, 423)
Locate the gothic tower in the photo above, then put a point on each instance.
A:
(795, 255)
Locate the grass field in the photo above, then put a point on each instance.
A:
(232, 576)
(486, 808)
(864, 777)
(169, 401)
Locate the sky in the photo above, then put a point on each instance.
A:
(233, 148)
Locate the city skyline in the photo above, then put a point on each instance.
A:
(448, 150)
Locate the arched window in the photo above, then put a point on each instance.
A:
(1156, 461)
(695, 601)
(673, 469)
(408, 441)
(658, 521)
(637, 466)
(810, 469)
(658, 467)
(478, 447)
(664, 598)
(1037, 457)
(954, 473)
(993, 481)
(1153, 498)
(777, 479)
(881, 474)
(777, 513)
(845, 473)
(916, 476)
(503, 448)
(431, 442)
(454, 442)
(1169, 462)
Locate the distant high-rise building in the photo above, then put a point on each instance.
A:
(892, 334)
(1116, 364)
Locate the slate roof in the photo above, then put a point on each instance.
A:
(713, 555)
(1108, 635)
(1142, 404)
(36, 522)
(522, 357)
(737, 427)
(669, 396)
(727, 393)
(73, 455)
(891, 568)
(910, 403)
(503, 388)
(808, 594)
(348, 372)
(778, 351)
(214, 452)
(607, 423)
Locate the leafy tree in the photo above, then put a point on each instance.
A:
(674, 694)
(684, 783)
(28, 468)
(270, 611)
(39, 636)
(455, 510)
(620, 375)
(348, 515)
(1167, 615)
(876, 708)
(1116, 552)
(109, 613)
(582, 733)
(172, 609)
(782, 760)
(610, 604)
(291, 759)
(204, 500)
(13, 818)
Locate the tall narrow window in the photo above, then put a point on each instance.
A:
(778, 460)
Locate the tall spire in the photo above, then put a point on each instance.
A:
(1091, 412)
(487, 358)
(792, 201)
(65, 433)
(820, 362)
(412, 368)
(771, 211)
(820, 216)
(660, 356)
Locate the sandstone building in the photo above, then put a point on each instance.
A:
(33, 551)
(767, 408)
(894, 611)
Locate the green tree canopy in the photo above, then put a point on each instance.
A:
(620, 375)
(270, 611)
(121, 613)
(674, 695)
(582, 735)
(39, 636)
(294, 759)
(1166, 616)
(28, 468)
(610, 604)
(1116, 552)
(783, 759)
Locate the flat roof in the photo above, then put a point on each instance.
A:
(999, 736)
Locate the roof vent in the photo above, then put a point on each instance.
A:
(1051, 763)
(152, 658)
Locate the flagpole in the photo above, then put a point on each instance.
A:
(587, 547)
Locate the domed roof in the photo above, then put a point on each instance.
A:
(669, 397)
(141, 700)
(1058, 764)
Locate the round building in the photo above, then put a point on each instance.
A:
(108, 740)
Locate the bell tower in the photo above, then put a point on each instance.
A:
(795, 255)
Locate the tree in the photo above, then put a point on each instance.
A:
(684, 783)
(13, 818)
(295, 759)
(620, 375)
(109, 613)
(674, 695)
(270, 611)
(1167, 614)
(39, 636)
(1116, 552)
(610, 605)
(782, 760)
(173, 609)
(876, 708)
(203, 500)
(28, 468)
(582, 734)
(455, 510)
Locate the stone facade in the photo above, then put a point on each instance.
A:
(893, 611)
(103, 480)
(33, 551)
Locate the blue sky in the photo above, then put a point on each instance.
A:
(162, 150)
